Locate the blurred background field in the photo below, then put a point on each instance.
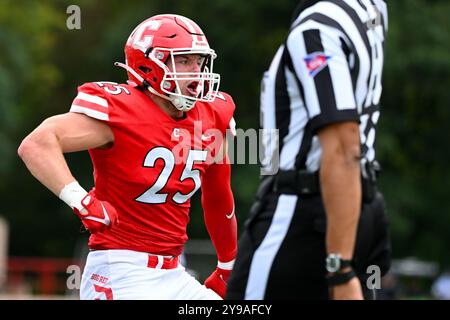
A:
(42, 62)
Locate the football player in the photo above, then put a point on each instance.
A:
(153, 143)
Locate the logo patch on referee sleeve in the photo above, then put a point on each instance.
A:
(315, 62)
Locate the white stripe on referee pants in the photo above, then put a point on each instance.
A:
(266, 252)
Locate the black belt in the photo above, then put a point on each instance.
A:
(308, 184)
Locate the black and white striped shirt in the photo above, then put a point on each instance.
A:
(328, 70)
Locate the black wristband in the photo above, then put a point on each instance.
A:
(345, 264)
(340, 278)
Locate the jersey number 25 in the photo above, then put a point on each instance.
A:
(152, 194)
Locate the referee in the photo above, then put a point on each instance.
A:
(319, 223)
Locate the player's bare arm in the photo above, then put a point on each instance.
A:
(341, 190)
(43, 153)
(42, 150)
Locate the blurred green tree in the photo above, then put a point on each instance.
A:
(415, 128)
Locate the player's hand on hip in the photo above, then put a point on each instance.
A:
(217, 281)
(96, 215)
(348, 291)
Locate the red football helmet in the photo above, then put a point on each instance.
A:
(153, 45)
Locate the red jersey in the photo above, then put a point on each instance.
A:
(153, 168)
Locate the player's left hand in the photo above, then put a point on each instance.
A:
(96, 215)
(217, 281)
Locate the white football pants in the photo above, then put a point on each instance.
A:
(124, 274)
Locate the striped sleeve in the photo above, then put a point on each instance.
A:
(323, 71)
(91, 101)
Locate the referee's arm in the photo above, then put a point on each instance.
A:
(341, 194)
(330, 100)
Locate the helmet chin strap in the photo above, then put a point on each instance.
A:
(180, 103)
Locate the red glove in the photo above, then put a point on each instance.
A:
(217, 281)
(97, 215)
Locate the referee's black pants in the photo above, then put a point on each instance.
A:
(281, 254)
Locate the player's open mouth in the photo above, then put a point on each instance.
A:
(192, 88)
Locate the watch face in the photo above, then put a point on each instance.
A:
(333, 262)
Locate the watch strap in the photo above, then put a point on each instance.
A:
(341, 264)
(345, 263)
(340, 277)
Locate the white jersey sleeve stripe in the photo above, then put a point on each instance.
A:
(93, 99)
(89, 112)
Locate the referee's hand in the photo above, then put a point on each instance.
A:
(348, 291)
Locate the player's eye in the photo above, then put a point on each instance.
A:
(181, 60)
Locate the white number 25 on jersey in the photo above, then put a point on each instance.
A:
(152, 194)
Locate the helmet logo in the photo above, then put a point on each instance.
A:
(141, 40)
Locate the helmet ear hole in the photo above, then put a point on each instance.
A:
(145, 69)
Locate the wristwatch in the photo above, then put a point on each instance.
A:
(334, 263)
